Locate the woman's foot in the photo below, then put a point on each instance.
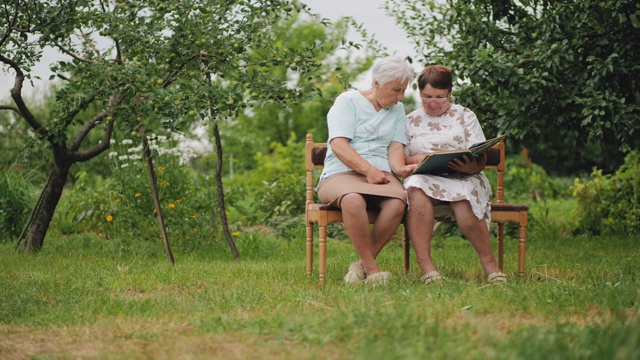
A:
(497, 277)
(378, 278)
(355, 274)
(431, 277)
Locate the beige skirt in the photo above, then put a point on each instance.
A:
(332, 189)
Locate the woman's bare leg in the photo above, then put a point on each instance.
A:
(388, 220)
(420, 222)
(356, 223)
(477, 232)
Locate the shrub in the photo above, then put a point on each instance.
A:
(527, 180)
(15, 203)
(123, 205)
(274, 191)
(610, 204)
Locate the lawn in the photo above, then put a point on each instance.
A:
(86, 297)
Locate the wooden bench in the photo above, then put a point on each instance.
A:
(323, 215)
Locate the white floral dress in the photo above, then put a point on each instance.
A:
(457, 128)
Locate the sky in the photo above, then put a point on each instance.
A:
(367, 12)
(376, 22)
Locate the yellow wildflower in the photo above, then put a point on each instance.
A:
(138, 195)
(163, 182)
(109, 218)
(160, 168)
(236, 233)
(193, 217)
(171, 206)
(118, 201)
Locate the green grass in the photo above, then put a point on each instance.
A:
(86, 297)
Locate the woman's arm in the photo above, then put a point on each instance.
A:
(343, 151)
(397, 161)
(414, 159)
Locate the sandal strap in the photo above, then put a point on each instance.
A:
(431, 277)
(497, 277)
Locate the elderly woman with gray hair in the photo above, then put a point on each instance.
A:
(365, 149)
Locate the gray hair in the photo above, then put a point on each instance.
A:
(392, 68)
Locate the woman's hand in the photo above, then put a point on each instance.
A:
(376, 176)
(469, 166)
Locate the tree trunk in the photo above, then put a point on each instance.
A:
(44, 210)
(223, 211)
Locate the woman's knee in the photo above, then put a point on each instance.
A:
(396, 205)
(417, 198)
(353, 201)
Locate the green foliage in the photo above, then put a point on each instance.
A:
(16, 198)
(157, 64)
(123, 205)
(525, 179)
(610, 203)
(560, 77)
(254, 131)
(273, 192)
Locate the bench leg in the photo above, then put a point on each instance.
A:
(522, 241)
(309, 249)
(322, 252)
(501, 246)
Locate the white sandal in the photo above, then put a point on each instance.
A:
(497, 277)
(356, 273)
(378, 278)
(431, 277)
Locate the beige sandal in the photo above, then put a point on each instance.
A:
(356, 273)
(378, 278)
(497, 277)
(431, 277)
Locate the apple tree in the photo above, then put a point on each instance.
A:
(144, 64)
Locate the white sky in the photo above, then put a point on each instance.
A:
(371, 14)
(367, 12)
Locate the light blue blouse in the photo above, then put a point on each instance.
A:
(370, 132)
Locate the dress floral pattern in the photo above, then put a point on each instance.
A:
(457, 128)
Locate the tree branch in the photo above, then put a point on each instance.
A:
(74, 144)
(73, 55)
(16, 94)
(9, 107)
(75, 111)
(91, 45)
(103, 145)
(7, 32)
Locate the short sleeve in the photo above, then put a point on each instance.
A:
(341, 118)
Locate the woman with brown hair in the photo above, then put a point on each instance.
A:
(440, 125)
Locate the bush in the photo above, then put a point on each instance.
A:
(274, 192)
(15, 203)
(123, 205)
(610, 204)
(526, 180)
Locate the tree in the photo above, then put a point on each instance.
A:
(151, 63)
(560, 76)
(269, 123)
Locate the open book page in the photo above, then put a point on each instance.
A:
(483, 146)
(438, 163)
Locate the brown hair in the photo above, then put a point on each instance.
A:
(438, 76)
